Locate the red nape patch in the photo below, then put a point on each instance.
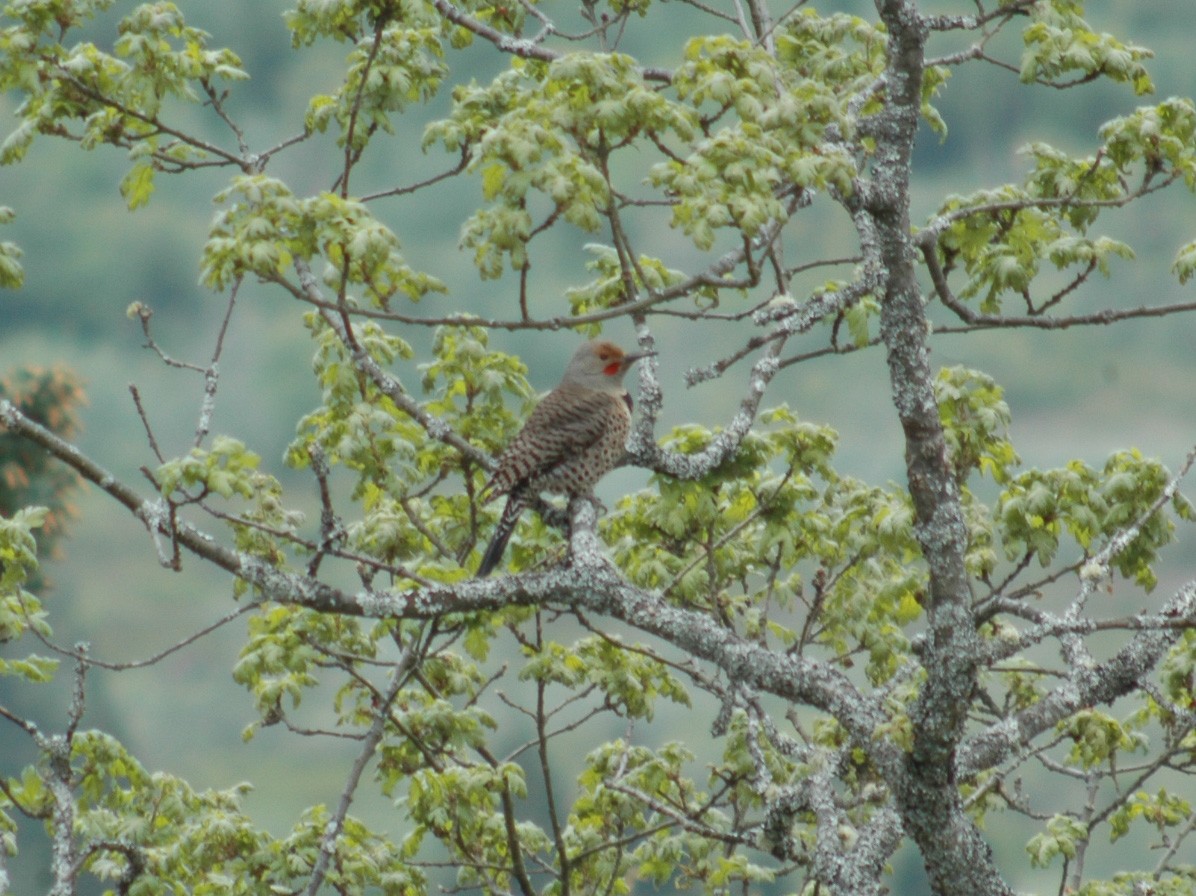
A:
(612, 369)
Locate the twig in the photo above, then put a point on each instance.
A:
(389, 386)
(86, 657)
(144, 314)
(222, 156)
(216, 101)
(419, 185)
(353, 153)
(149, 430)
(331, 530)
(976, 321)
(522, 47)
(212, 372)
(336, 824)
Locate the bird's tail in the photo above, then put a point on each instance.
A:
(498, 543)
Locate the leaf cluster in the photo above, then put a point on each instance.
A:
(110, 97)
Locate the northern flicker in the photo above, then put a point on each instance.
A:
(576, 434)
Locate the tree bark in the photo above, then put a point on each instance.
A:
(957, 858)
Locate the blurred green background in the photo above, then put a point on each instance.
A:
(1077, 393)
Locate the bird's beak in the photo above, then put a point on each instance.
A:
(630, 359)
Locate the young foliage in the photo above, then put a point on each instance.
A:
(753, 671)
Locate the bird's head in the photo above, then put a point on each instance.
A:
(600, 365)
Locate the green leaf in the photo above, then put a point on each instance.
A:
(1061, 838)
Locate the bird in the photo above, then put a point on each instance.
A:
(573, 437)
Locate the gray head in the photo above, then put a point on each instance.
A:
(600, 365)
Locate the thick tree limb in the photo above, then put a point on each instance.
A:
(956, 857)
